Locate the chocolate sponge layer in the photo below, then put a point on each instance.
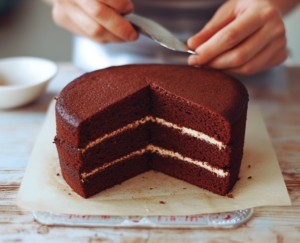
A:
(194, 174)
(128, 168)
(107, 151)
(105, 100)
(123, 112)
(138, 138)
(111, 176)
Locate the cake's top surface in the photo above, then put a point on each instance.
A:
(97, 90)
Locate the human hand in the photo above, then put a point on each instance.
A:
(99, 20)
(244, 37)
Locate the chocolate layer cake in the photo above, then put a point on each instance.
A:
(116, 123)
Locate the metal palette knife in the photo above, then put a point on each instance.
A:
(158, 33)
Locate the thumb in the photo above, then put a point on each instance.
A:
(223, 16)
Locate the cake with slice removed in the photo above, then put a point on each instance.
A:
(116, 123)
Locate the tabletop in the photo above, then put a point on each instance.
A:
(276, 91)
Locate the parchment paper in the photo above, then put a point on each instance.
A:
(44, 189)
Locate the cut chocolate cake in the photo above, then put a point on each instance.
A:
(116, 123)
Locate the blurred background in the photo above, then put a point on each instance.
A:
(27, 29)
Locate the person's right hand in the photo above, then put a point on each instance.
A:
(99, 20)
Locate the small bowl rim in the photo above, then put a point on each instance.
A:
(22, 86)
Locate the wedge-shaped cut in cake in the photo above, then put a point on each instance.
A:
(116, 123)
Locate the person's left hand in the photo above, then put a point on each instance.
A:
(244, 37)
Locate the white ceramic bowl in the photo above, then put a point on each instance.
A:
(23, 80)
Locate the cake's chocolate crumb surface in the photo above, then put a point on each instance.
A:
(103, 101)
(181, 93)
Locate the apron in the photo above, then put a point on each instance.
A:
(183, 18)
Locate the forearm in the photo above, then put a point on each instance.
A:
(285, 6)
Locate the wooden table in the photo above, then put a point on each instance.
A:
(276, 91)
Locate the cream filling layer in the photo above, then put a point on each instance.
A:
(162, 152)
(184, 130)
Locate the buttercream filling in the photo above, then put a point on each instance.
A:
(183, 130)
(162, 152)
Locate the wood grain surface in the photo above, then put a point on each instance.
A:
(276, 91)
